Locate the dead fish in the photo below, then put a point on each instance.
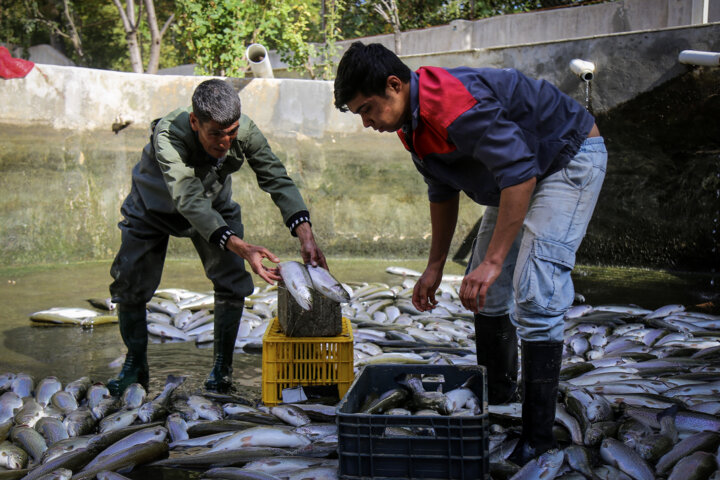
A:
(325, 283)
(697, 466)
(546, 465)
(264, 436)
(46, 389)
(617, 454)
(291, 415)
(298, 282)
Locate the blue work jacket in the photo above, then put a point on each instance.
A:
(480, 130)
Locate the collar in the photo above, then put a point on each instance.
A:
(414, 103)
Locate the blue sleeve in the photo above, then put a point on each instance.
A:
(485, 133)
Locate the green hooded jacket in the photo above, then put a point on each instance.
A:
(176, 179)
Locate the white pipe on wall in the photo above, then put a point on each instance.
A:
(259, 61)
(696, 57)
(583, 69)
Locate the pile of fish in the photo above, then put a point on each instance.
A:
(79, 431)
(639, 394)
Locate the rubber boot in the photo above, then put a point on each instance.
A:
(133, 330)
(497, 349)
(227, 320)
(540, 377)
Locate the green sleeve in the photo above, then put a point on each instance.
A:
(271, 174)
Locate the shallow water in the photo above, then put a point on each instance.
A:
(72, 352)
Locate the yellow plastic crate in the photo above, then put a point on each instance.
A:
(298, 361)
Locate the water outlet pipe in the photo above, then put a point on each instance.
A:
(696, 57)
(259, 60)
(583, 69)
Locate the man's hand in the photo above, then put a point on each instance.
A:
(474, 287)
(254, 254)
(514, 202)
(424, 292)
(309, 250)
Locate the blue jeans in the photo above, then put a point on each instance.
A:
(535, 286)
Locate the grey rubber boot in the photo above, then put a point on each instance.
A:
(497, 349)
(133, 330)
(541, 375)
(227, 320)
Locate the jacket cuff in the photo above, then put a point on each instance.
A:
(220, 237)
(300, 217)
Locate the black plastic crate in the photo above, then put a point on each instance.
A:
(448, 448)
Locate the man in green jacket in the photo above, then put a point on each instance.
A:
(182, 187)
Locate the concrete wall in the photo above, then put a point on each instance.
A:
(548, 26)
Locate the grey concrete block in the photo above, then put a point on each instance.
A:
(324, 320)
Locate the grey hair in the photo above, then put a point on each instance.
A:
(216, 100)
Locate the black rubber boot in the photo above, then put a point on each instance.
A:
(541, 374)
(133, 329)
(227, 320)
(496, 348)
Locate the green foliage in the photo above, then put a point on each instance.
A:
(216, 33)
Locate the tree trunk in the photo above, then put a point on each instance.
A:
(388, 9)
(156, 36)
(130, 26)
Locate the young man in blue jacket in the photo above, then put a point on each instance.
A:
(536, 159)
(182, 186)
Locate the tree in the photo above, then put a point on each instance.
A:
(23, 22)
(131, 21)
(216, 32)
(388, 10)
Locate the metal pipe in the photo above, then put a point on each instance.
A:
(696, 57)
(583, 69)
(259, 61)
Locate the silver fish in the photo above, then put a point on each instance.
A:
(697, 466)
(30, 440)
(316, 473)
(12, 457)
(265, 436)
(701, 441)
(67, 445)
(78, 388)
(298, 282)
(205, 408)
(10, 402)
(29, 413)
(80, 422)
(151, 434)
(283, 464)
(177, 427)
(46, 389)
(23, 385)
(546, 465)
(132, 456)
(617, 454)
(52, 429)
(325, 283)
(291, 415)
(118, 420)
(235, 473)
(64, 401)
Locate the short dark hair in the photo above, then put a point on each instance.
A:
(365, 69)
(216, 100)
